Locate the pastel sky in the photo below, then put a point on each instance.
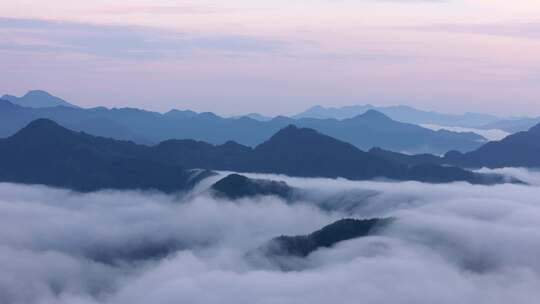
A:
(278, 56)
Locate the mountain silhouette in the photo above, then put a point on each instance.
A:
(402, 113)
(37, 99)
(306, 153)
(513, 125)
(517, 150)
(46, 153)
(236, 186)
(407, 159)
(328, 236)
(365, 131)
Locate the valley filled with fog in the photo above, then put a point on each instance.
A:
(446, 243)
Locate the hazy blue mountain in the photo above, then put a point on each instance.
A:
(48, 154)
(403, 114)
(38, 99)
(307, 153)
(365, 131)
(518, 150)
(328, 236)
(236, 186)
(255, 116)
(374, 129)
(513, 125)
(407, 159)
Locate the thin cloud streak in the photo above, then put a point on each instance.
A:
(122, 41)
(527, 30)
(188, 9)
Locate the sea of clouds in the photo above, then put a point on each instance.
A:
(449, 243)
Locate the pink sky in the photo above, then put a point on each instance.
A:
(276, 57)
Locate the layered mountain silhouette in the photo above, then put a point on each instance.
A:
(37, 99)
(404, 114)
(367, 130)
(407, 159)
(328, 236)
(513, 125)
(47, 153)
(374, 129)
(517, 150)
(306, 153)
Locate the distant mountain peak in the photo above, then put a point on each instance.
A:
(37, 93)
(208, 115)
(402, 113)
(372, 115)
(310, 141)
(38, 99)
(180, 113)
(42, 129)
(292, 131)
(42, 123)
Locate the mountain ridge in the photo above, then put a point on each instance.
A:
(146, 127)
(89, 163)
(521, 149)
(48, 154)
(402, 113)
(38, 99)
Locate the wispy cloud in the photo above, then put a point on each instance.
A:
(529, 30)
(189, 9)
(121, 41)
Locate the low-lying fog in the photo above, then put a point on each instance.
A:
(451, 243)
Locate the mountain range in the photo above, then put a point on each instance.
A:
(367, 130)
(513, 125)
(404, 114)
(46, 153)
(37, 99)
(517, 150)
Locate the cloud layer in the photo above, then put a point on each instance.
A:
(119, 41)
(453, 243)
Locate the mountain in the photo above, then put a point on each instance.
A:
(14, 117)
(328, 236)
(374, 129)
(513, 125)
(403, 114)
(38, 99)
(518, 150)
(365, 131)
(235, 186)
(255, 116)
(407, 159)
(46, 153)
(304, 152)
